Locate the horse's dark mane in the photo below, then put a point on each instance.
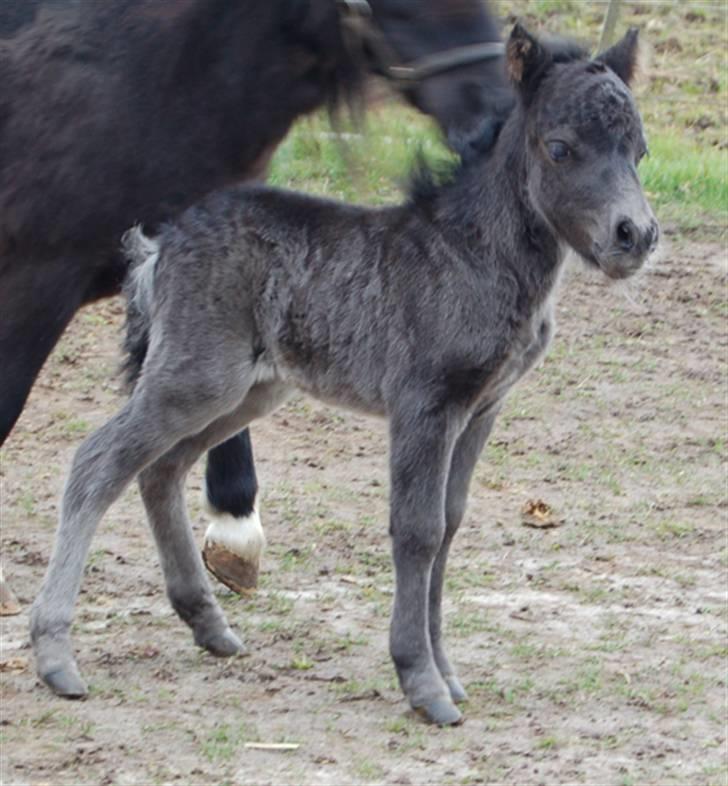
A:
(316, 24)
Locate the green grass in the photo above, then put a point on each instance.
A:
(223, 741)
(682, 99)
(366, 163)
(686, 182)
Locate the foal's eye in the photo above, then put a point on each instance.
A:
(558, 150)
(642, 154)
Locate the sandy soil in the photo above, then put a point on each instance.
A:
(593, 652)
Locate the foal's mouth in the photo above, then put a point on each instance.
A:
(617, 264)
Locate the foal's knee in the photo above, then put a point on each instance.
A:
(419, 540)
(454, 513)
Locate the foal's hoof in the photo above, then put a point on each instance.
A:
(238, 573)
(457, 693)
(223, 645)
(441, 712)
(65, 682)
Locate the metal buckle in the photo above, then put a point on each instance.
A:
(356, 7)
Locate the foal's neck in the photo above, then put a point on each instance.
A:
(491, 197)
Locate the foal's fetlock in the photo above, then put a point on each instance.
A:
(457, 692)
(221, 643)
(438, 708)
(55, 665)
(209, 626)
(430, 696)
(440, 711)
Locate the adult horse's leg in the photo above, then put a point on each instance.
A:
(37, 300)
(421, 447)
(161, 412)
(162, 488)
(234, 540)
(467, 449)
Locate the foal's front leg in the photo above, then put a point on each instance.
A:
(465, 456)
(421, 446)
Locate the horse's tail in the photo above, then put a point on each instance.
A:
(142, 253)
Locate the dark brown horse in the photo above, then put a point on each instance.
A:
(116, 113)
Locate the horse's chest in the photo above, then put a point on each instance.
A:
(528, 344)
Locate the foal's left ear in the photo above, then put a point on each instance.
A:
(623, 57)
(525, 58)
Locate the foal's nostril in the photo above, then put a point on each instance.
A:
(626, 235)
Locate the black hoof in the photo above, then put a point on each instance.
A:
(441, 712)
(66, 683)
(223, 645)
(457, 693)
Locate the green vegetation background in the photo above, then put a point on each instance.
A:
(682, 96)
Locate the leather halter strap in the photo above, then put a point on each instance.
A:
(360, 30)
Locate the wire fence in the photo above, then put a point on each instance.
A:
(705, 86)
(610, 25)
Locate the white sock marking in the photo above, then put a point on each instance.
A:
(242, 536)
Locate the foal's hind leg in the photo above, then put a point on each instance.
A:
(146, 428)
(162, 489)
(467, 449)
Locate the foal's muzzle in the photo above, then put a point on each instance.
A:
(632, 239)
(630, 247)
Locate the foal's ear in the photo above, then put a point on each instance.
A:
(525, 57)
(623, 58)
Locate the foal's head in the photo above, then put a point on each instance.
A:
(585, 140)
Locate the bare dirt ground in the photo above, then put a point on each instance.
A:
(594, 652)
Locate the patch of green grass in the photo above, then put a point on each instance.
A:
(347, 642)
(686, 182)
(27, 501)
(363, 687)
(360, 163)
(221, 743)
(468, 623)
(273, 602)
(670, 528)
(548, 7)
(301, 663)
(547, 743)
(370, 771)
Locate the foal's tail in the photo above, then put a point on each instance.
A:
(142, 253)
